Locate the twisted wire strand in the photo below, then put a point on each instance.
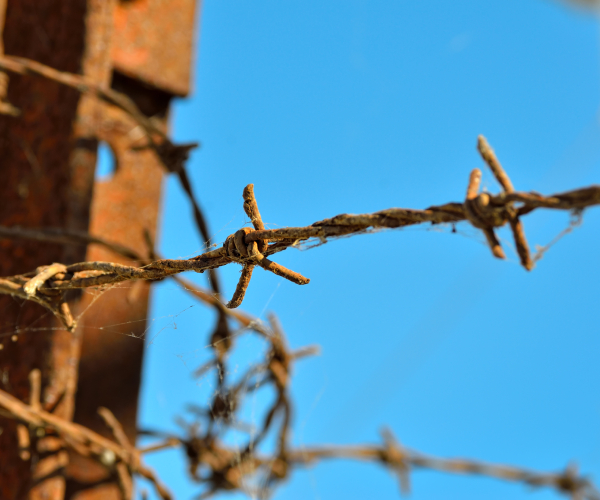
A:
(490, 211)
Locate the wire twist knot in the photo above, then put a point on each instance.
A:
(238, 250)
(482, 214)
(250, 253)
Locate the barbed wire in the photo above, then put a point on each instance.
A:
(250, 247)
(211, 462)
(120, 458)
(223, 468)
(173, 156)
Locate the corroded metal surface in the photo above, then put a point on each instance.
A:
(123, 207)
(154, 42)
(49, 156)
(36, 187)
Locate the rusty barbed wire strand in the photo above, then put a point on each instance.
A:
(112, 455)
(400, 460)
(482, 210)
(223, 468)
(24, 66)
(176, 157)
(172, 156)
(227, 469)
(476, 209)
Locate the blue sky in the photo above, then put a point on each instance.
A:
(350, 107)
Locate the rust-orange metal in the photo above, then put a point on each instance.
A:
(154, 42)
(36, 191)
(114, 323)
(48, 161)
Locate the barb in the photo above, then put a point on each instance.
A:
(475, 210)
(237, 242)
(516, 226)
(249, 253)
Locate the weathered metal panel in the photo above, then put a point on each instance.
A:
(154, 42)
(49, 156)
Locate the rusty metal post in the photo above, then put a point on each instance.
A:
(48, 160)
(42, 186)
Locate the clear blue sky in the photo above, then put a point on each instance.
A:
(355, 106)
